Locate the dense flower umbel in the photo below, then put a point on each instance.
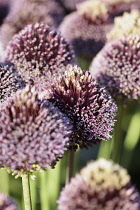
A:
(88, 106)
(33, 135)
(37, 50)
(117, 67)
(87, 30)
(117, 7)
(10, 81)
(6, 203)
(102, 185)
(121, 26)
(48, 12)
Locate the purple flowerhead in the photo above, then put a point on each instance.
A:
(100, 185)
(33, 135)
(47, 12)
(36, 51)
(117, 67)
(6, 203)
(86, 28)
(10, 81)
(89, 107)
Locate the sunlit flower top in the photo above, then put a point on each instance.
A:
(117, 67)
(89, 107)
(117, 7)
(6, 203)
(121, 26)
(33, 135)
(100, 185)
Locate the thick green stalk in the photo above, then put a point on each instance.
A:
(26, 192)
(70, 165)
(117, 139)
(104, 150)
(43, 190)
(131, 139)
(4, 181)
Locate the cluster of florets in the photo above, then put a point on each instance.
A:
(94, 11)
(101, 185)
(117, 67)
(117, 7)
(121, 26)
(10, 81)
(6, 203)
(89, 107)
(33, 135)
(85, 30)
(37, 51)
(47, 12)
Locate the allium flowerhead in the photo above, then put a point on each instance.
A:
(88, 106)
(26, 12)
(87, 27)
(101, 185)
(6, 203)
(121, 26)
(117, 7)
(10, 81)
(33, 135)
(117, 67)
(37, 50)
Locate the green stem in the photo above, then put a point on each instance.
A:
(131, 139)
(45, 204)
(26, 192)
(117, 141)
(104, 150)
(4, 181)
(70, 166)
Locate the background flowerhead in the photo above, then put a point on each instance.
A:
(101, 185)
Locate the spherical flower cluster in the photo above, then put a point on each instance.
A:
(47, 12)
(10, 81)
(86, 29)
(36, 51)
(33, 135)
(121, 26)
(88, 106)
(117, 67)
(117, 7)
(101, 185)
(7, 203)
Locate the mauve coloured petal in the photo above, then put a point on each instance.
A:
(47, 12)
(121, 26)
(100, 185)
(117, 67)
(10, 81)
(39, 53)
(33, 135)
(87, 31)
(89, 107)
(6, 203)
